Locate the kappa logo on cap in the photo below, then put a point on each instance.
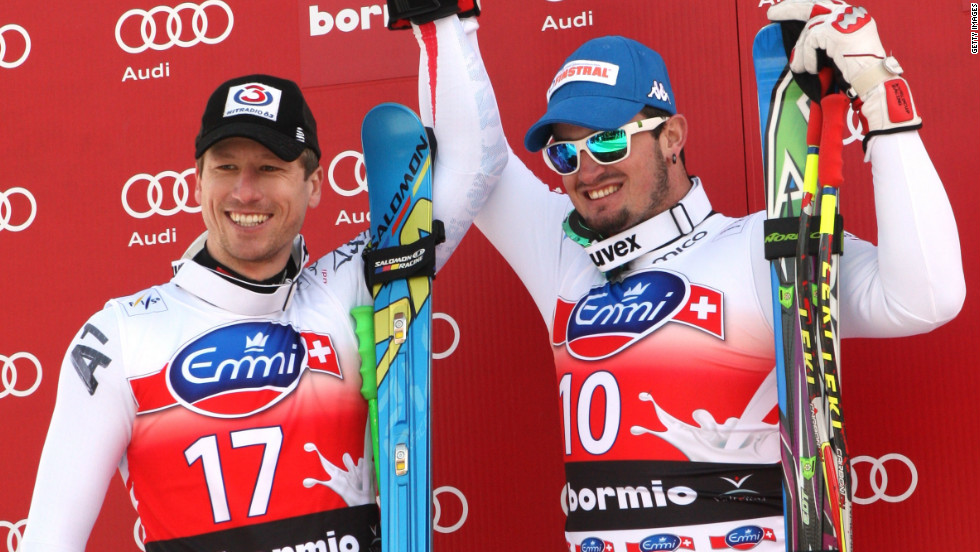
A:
(260, 100)
(600, 72)
(659, 91)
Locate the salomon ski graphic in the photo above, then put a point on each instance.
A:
(398, 153)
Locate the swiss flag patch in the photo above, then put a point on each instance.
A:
(703, 311)
(321, 356)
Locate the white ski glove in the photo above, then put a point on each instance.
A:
(849, 36)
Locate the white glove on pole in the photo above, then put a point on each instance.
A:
(849, 36)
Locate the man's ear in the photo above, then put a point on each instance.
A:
(674, 135)
(316, 179)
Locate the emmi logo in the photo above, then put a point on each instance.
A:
(216, 375)
(201, 367)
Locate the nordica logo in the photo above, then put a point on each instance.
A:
(237, 370)
(776, 237)
(744, 538)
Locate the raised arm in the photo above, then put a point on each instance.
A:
(913, 281)
(457, 101)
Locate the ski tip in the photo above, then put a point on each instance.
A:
(769, 33)
(385, 114)
(385, 123)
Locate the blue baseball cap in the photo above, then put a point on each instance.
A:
(603, 85)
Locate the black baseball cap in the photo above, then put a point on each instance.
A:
(267, 109)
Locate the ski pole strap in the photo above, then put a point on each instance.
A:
(781, 236)
(403, 261)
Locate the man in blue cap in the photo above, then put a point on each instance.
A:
(659, 308)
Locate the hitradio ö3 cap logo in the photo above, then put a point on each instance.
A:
(10, 375)
(254, 98)
(154, 203)
(16, 222)
(184, 25)
(13, 39)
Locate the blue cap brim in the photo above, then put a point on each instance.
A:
(593, 112)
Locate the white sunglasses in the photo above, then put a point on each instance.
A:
(605, 147)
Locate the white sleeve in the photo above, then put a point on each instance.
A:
(89, 431)
(913, 281)
(520, 216)
(523, 220)
(457, 101)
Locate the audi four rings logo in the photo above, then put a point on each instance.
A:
(14, 533)
(440, 526)
(7, 210)
(455, 327)
(10, 30)
(174, 29)
(879, 478)
(9, 374)
(360, 175)
(155, 204)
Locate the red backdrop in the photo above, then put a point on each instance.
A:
(90, 116)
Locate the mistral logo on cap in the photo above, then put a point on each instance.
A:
(260, 100)
(585, 70)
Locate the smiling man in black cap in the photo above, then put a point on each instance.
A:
(257, 173)
(229, 397)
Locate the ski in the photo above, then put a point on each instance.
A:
(783, 125)
(809, 134)
(399, 264)
(833, 443)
